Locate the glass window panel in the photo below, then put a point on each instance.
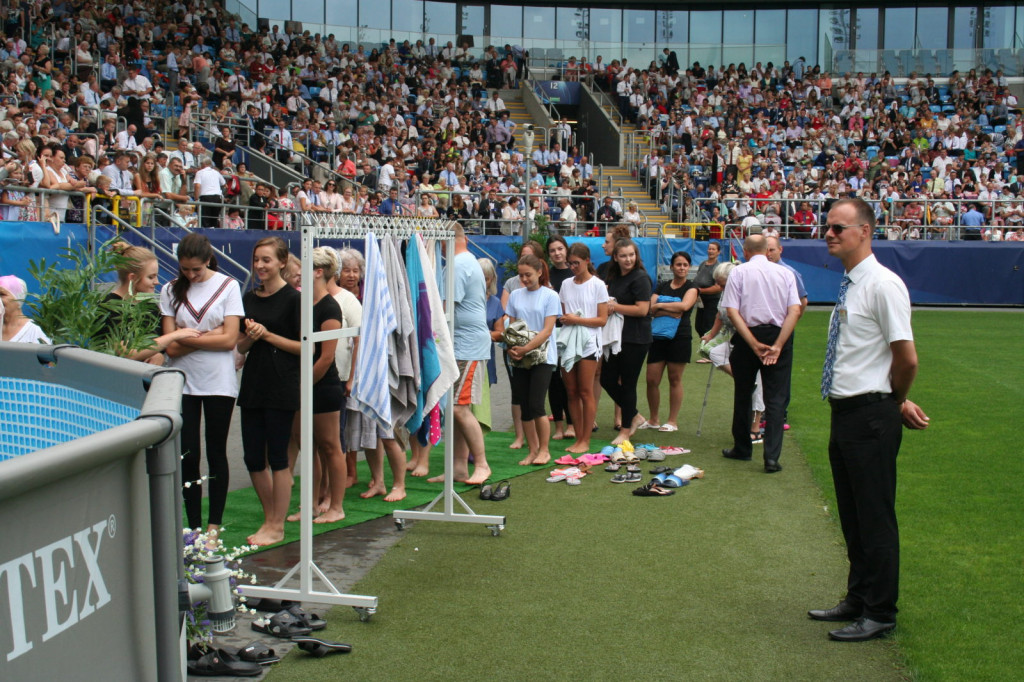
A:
(899, 28)
(738, 27)
(1019, 36)
(472, 20)
(339, 12)
(674, 27)
(606, 25)
(998, 27)
(771, 27)
(440, 19)
(275, 8)
(965, 24)
(312, 12)
(802, 35)
(506, 21)
(867, 29)
(570, 23)
(407, 15)
(638, 26)
(932, 27)
(706, 28)
(372, 13)
(538, 22)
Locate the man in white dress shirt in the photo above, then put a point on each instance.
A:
(870, 365)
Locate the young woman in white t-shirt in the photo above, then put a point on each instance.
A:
(587, 295)
(203, 299)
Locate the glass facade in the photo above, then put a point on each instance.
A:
(896, 37)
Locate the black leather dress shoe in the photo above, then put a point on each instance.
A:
(732, 454)
(861, 630)
(772, 466)
(841, 611)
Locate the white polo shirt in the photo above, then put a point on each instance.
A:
(876, 313)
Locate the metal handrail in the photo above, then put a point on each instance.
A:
(603, 99)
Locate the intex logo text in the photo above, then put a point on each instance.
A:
(54, 562)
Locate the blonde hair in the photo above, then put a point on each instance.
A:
(490, 276)
(722, 271)
(326, 258)
(136, 257)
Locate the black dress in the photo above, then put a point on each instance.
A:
(680, 347)
(328, 393)
(271, 376)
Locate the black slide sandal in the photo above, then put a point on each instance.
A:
(318, 648)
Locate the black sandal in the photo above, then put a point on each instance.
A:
(283, 625)
(502, 491)
(255, 652)
(486, 491)
(220, 663)
(318, 648)
(309, 620)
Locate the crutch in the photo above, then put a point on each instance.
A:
(707, 391)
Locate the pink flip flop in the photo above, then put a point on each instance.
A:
(593, 460)
(568, 460)
(675, 451)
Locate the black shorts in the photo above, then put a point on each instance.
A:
(676, 350)
(328, 397)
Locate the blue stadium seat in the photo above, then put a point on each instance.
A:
(872, 151)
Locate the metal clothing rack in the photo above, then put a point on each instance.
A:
(315, 227)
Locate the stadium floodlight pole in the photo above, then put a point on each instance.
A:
(528, 137)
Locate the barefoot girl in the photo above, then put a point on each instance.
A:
(629, 287)
(539, 308)
(269, 395)
(586, 295)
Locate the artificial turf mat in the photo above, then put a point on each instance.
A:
(712, 583)
(243, 513)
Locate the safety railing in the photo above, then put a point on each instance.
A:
(604, 100)
(126, 207)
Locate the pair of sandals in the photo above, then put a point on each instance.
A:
(629, 477)
(571, 476)
(289, 623)
(653, 489)
(496, 492)
(667, 480)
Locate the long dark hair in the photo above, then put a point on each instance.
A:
(614, 271)
(194, 245)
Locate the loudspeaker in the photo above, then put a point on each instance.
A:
(466, 40)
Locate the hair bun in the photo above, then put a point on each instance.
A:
(119, 247)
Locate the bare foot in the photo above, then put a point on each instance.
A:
(262, 538)
(420, 471)
(623, 436)
(570, 432)
(330, 516)
(395, 495)
(459, 478)
(516, 445)
(352, 480)
(558, 435)
(579, 448)
(543, 457)
(374, 490)
(322, 507)
(410, 465)
(528, 460)
(292, 518)
(480, 474)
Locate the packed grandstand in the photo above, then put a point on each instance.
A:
(161, 110)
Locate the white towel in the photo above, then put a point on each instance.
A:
(403, 363)
(572, 342)
(372, 395)
(611, 335)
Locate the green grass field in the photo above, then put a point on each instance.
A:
(713, 583)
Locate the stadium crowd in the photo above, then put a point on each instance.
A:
(98, 90)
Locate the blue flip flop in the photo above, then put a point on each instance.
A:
(673, 481)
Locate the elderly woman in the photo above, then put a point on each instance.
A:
(16, 327)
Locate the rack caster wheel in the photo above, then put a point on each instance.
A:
(365, 612)
(400, 524)
(496, 529)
